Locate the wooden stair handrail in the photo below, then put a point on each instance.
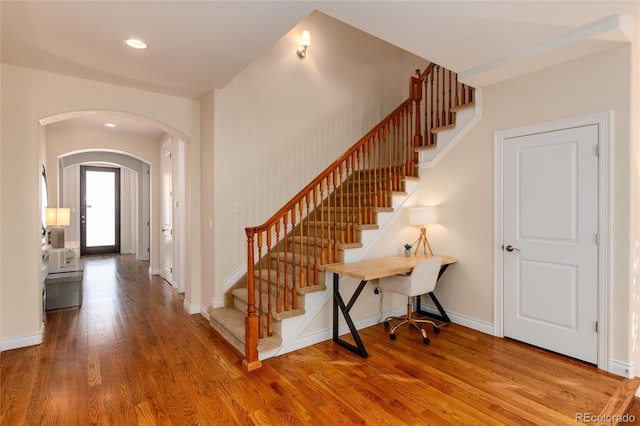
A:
(354, 185)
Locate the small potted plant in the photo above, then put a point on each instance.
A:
(407, 250)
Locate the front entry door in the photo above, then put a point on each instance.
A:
(550, 234)
(99, 210)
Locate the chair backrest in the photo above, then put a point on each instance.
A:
(424, 275)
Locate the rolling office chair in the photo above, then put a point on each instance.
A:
(421, 280)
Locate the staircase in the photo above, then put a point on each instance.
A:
(286, 256)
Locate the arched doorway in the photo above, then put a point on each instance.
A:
(134, 143)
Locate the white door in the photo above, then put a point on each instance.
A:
(166, 241)
(550, 240)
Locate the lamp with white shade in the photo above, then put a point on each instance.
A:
(421, 217)
(56, 219)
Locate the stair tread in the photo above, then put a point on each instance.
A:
(443, 128)
(426, 147)
(272, 276)
(317, 241)
(338, 225)
(357, 208)
(462, 106)
(243, 294)
(232, 322)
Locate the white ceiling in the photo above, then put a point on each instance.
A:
(195, 46)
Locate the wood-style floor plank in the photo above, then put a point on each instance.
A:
(132, 356)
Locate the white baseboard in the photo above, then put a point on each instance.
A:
(622, 369)
(323, 335)
(154, 271)
(22, 341)
(483, 327)
(204, 313)
(217, 303)
(190, 308)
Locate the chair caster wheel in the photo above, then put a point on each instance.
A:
(425, 340)
(436, 330)
(392, 336)
(386, 324)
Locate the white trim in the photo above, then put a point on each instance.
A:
(217, 303)
(154, 271)
(324, 335)
(234, 277)
(622, 369)
(23, 341)
(204, 313)
(190, 308)
(459, 133)
(614, 27)
(604, 122)
(481, 326)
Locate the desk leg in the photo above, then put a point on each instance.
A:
(339, 303)
(443, 315)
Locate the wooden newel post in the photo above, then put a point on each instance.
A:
(415, 90)
(251, 361)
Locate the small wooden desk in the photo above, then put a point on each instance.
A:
(366, 271)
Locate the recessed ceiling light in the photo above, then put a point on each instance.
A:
(110, 125)
(135, 43)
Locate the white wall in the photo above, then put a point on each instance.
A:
(29, 96)
(283, 120)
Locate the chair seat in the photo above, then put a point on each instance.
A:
(421, 280)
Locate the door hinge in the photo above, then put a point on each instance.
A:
(171, 270)
(597, 238)
(596, 326)
(598, 150)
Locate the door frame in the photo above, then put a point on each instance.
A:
(167, 146)
(603, 121)
(84, 250)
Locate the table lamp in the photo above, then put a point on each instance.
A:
(421, 217)
(57, 219)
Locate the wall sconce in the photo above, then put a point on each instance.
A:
(57, 219)
(421, 217)
(305, 41)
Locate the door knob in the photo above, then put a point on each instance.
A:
(511, 248)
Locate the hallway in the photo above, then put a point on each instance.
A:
(131, 355)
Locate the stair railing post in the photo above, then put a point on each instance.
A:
(415, 90)
(251, 361)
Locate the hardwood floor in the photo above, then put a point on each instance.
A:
(131, 355)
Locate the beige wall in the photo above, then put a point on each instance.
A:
(462, 184)
(283, 120)
(634, 299)
(27, 97)
(207, 162)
